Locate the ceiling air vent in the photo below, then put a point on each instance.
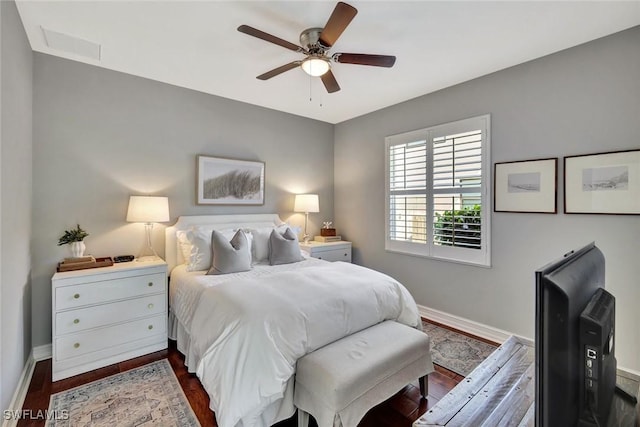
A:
(70, 44)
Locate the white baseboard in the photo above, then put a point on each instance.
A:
(39, 353)
(21, 390)
(42, 352)
(629, 374)
(469, 326)
(491, 333)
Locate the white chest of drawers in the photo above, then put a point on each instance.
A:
(329, 251)
(106, 315)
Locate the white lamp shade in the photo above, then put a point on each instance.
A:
(148, 209)
(306, 203)
(315, 66)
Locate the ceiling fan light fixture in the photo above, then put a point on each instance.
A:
(315, 44)
(315, 66)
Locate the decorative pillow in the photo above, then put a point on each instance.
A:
(260, 247)
(230, 256)
(200, 239)
(284, 248)
(184, 245)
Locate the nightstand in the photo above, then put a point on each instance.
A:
(329, 251)
(102, 316)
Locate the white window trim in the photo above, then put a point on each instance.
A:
(477, 257)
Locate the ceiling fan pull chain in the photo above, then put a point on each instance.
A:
(311, 92)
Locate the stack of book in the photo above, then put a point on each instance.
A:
(325, 239)
(80, 263)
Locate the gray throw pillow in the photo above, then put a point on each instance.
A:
(230, 256)
(284, 248)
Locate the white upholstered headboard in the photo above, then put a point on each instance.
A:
(174, 257)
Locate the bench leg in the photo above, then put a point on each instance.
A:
(424, 386)
(303, 418)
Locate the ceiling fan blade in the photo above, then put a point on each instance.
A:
(365, 59)
(330, 82)
(279, 70)
(338, 21)
(270, 38)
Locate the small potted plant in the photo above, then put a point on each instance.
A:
(74, 238)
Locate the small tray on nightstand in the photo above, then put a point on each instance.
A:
(99, 262)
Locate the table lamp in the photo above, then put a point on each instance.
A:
(148, 209)
(307, 203)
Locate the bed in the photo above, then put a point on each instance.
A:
(242, 333)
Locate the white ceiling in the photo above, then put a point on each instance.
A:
(437, 44)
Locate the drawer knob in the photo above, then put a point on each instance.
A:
(76, 321)
(150, 306)
(150, 284)
(76, 296)
(76, 345)
(150, 326)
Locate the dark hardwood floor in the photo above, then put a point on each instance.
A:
(398, 411)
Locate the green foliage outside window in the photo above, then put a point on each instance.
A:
(459, 227)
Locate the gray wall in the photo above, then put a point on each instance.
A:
(16, 70)
(582, 100)
(100, 136)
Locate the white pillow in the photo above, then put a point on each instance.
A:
(200, 254)
(184, 245)
(260, 246)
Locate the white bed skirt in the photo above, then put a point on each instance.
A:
(276, 412)
(178, 333)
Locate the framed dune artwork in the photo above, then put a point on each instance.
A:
(222, 181)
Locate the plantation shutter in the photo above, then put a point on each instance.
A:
(457, 190)
(438, 192)
(407, 188)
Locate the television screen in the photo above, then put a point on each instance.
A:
(564, 288)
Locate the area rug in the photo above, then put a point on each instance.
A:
(456, 352)
(145, 396)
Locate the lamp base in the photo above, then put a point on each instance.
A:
(147, 253)
(305, 236)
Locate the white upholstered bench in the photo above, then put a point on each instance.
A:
(340, 382)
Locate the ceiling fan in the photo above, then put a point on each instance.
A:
(316, 43)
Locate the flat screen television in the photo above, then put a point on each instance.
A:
(575, 353)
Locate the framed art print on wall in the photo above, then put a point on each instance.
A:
(222, 181)
(526, 186)
(603, 183)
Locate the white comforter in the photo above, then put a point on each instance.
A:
(247, 333)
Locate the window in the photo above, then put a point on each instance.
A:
(437, 194)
